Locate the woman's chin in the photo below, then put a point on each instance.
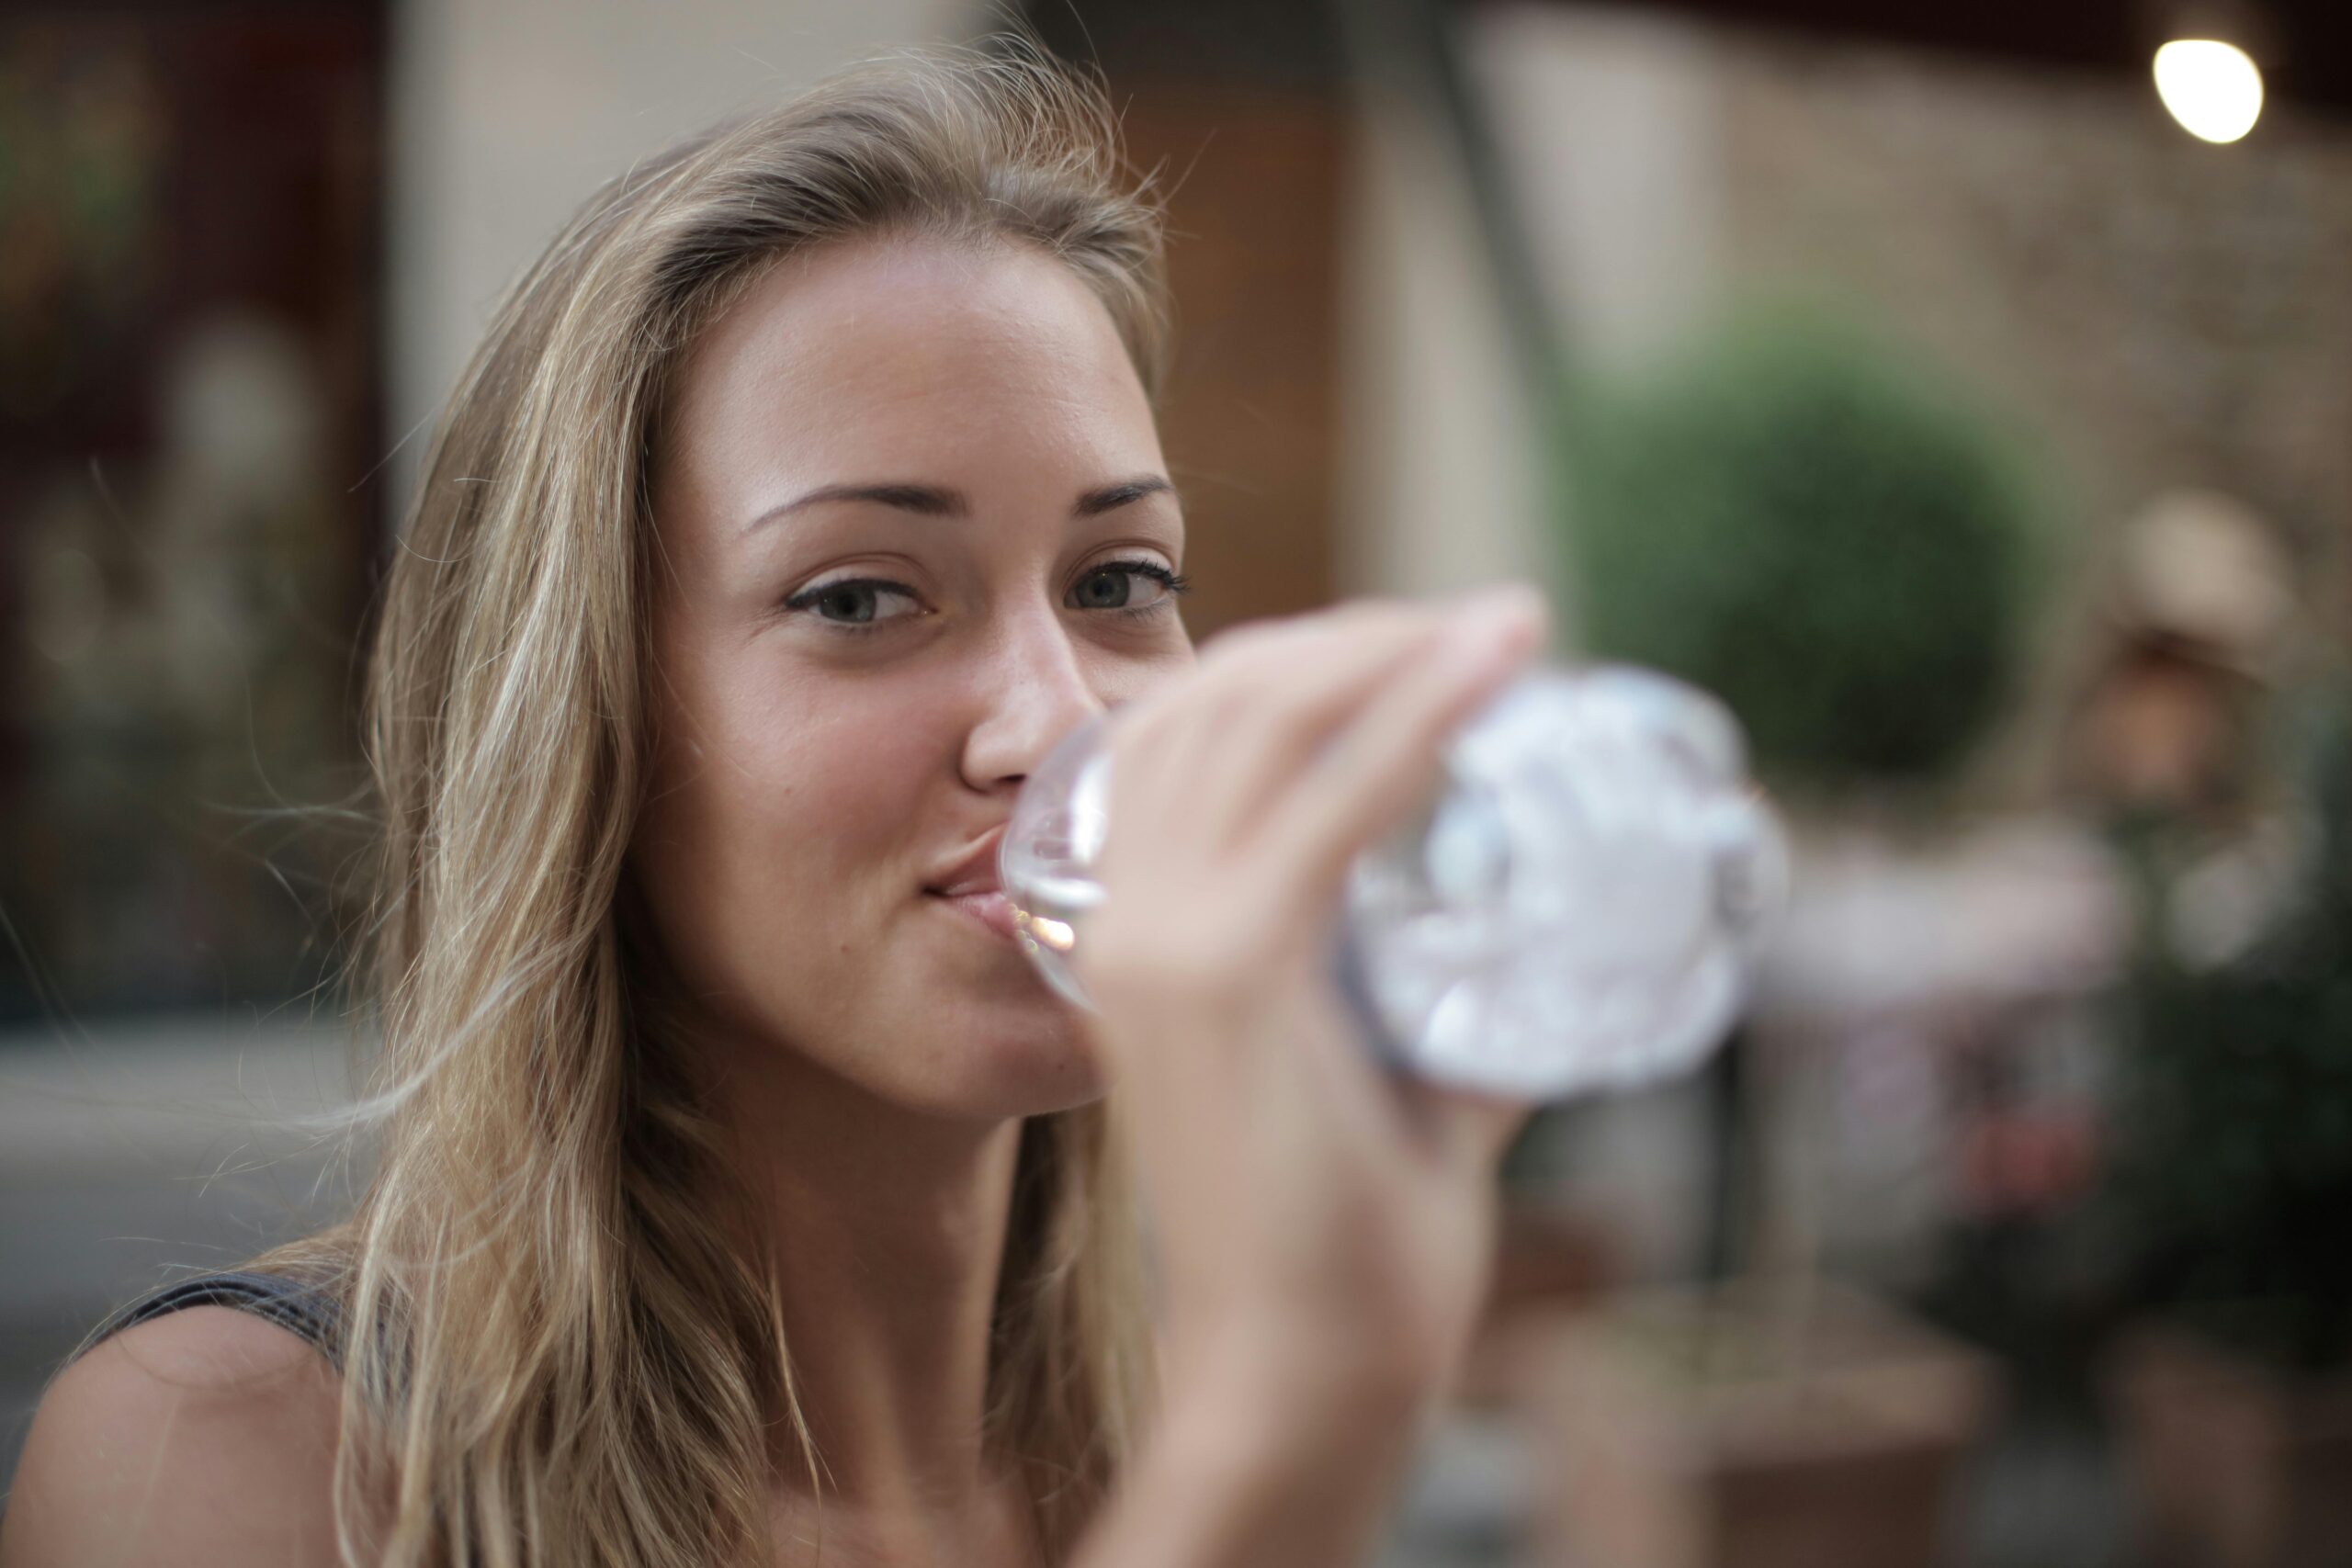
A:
(1033, 1073)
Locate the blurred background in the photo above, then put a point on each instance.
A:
(1963, 392)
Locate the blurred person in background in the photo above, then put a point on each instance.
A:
(742, 1194)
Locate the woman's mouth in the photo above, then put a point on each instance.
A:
(990, 909)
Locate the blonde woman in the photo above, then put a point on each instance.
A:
(742, 1196)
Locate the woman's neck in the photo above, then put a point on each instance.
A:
(888, 1229)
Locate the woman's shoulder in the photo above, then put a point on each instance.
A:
(204, 1435)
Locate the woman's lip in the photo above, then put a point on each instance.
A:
(992, 909)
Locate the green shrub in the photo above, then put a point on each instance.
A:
(1797, 520)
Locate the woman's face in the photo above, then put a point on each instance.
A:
(914, 526)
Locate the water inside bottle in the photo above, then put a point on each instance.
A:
(1571, 912)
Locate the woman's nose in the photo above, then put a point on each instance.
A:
(1034, 692)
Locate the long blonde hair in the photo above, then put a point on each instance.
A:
(557, 1349)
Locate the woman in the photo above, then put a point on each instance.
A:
(741, 1195)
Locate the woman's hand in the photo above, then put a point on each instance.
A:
(1325, 1227)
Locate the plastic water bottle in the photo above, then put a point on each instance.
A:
(1573, 913)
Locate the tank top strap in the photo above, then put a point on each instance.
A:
(291, 1303)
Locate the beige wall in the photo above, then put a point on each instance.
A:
(1438, 489)
(1609, 124)
(507, 113)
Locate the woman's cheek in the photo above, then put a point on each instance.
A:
(852, 764)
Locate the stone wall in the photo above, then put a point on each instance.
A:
(2149, 311)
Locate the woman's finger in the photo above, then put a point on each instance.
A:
(1373, 773)
(1259, 723)
(1470, 1132)
(1276, 695)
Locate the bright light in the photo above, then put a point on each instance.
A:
(2210, 87)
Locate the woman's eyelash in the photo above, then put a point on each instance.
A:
(817, 593)
(1175, 583)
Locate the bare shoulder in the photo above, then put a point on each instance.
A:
(204, 1437)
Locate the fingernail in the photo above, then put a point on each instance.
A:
(1503, 615)
(1479, 642)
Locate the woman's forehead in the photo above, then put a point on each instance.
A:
(865, 343)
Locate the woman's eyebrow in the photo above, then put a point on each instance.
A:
(937, 500)
(1095, 503)
(927, 501)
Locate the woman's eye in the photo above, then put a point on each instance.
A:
(1133, 585)
(852, 602)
